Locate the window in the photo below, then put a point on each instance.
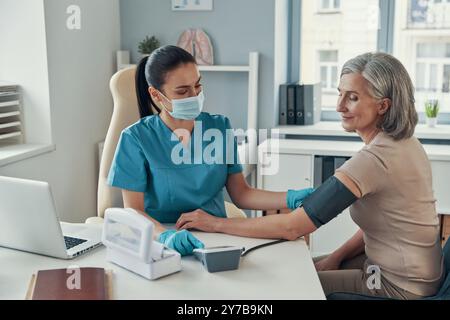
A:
(428, 14)
(422, 43)
(328, 41)
(329, 5)
(432, 67)
(328, 64)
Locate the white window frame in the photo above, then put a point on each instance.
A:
(331, 87)
(384, 41)
(331, 8)
(440, 7)
(440, 62)
(444, 97)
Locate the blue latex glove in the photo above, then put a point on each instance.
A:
(294, 198)
(182, 241)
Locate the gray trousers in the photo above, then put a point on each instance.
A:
(352, 277)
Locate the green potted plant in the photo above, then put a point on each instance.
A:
(431, 112)
(148, 45)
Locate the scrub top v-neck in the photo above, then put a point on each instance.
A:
(175, 179)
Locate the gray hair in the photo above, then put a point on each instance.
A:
(388, 78)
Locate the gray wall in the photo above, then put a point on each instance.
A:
(80, 65)
(25, 63)
(235, 27)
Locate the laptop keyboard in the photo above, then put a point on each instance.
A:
(73, 242)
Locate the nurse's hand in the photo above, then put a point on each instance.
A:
(199, 220)
(294, 198)
(182, 241)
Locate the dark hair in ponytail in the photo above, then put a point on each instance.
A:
(152, 71)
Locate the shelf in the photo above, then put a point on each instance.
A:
(10, 135)
(207, 68)
(125, 66)
(9, 114)
(13, 153)
(334, 129)
(325, 128)
(9, 124)
(338, 148)
(224, 68)
(9, 103)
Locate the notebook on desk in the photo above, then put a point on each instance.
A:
(71, 284)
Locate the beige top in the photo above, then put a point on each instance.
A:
(397, 212)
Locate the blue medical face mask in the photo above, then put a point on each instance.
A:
(188, 108)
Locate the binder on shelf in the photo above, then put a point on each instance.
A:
(291, 112)
(299, 105)
(283, 105)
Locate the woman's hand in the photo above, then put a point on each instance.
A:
(199, 220)
(328, 263)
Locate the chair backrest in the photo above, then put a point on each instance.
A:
(444, 292)
(447, 256)
(125, 113)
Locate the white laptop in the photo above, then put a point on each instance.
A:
(29, 222)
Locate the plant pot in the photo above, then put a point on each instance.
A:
(431, 122)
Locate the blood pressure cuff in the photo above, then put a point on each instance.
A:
(328, 201)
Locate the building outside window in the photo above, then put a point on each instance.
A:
(329, 40)
(329, 5)
(328, 65)
(422, 43)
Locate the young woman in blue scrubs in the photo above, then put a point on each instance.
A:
(146, 165)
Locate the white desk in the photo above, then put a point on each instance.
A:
(283, 271)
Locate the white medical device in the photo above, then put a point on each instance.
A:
(128, 237)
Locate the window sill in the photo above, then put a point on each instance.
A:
(18, 152)
(334, 129)
(331, 11)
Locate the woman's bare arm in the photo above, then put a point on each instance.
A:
(287, 226)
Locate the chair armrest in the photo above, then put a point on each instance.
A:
(234, 212)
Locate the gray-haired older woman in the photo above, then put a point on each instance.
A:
(387, 184)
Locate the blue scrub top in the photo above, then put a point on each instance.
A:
(148, 157)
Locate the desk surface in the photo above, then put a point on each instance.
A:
(282, 271)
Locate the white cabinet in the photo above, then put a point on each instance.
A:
(294, 172)
(296, 168)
